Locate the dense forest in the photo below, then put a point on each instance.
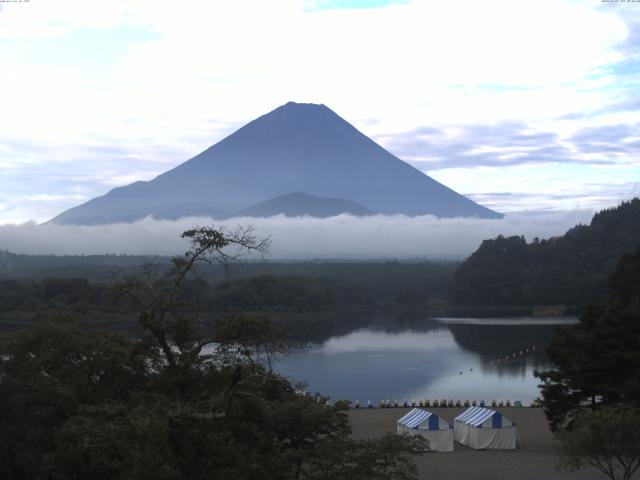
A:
(571, 270)
(309, 301)
(385, 279)
(304, 307)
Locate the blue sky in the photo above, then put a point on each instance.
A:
(350, 4)
(524, 106)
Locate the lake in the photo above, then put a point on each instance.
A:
(459, 359)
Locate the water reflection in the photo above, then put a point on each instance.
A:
(457, 361)
(506, 349)
(368, 340)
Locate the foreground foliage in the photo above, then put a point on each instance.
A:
(592, 398)
(607, 439)
(597, 361)
(177, 403)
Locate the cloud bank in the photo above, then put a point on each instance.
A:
(302, 238)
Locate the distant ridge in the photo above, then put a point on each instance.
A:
(299, 204)
(295, 148)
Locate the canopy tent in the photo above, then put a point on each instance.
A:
(428, 425)
(481, 428)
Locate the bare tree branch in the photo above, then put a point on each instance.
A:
(160, 309)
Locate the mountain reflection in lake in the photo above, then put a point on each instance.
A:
(443, 360)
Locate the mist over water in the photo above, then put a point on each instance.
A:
(304, 238)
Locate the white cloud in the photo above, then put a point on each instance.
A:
(340, 237)
(545, 187)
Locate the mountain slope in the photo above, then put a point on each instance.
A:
(569, 270)
(294, 148)
(299, 204)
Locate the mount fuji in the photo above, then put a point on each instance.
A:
(297, 151)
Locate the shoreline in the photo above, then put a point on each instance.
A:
(450, 404)
(536, 460)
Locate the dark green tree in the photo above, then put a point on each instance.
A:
(569, 270)
(382, 459)
(50, 374)
(607, 439)
(597, 361)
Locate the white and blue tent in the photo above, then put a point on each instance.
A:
(481, 428)
(428, 425)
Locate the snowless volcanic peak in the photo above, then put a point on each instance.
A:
(298, 204)
(296, 148)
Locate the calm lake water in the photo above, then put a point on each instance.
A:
(452, 359)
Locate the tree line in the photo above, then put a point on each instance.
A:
(571, 270)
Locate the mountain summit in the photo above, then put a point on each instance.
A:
(296, 148)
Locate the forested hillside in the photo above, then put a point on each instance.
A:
(569, 270)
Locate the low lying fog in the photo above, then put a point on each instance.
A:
(340, 237)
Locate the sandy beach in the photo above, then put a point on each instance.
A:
(536, 460)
